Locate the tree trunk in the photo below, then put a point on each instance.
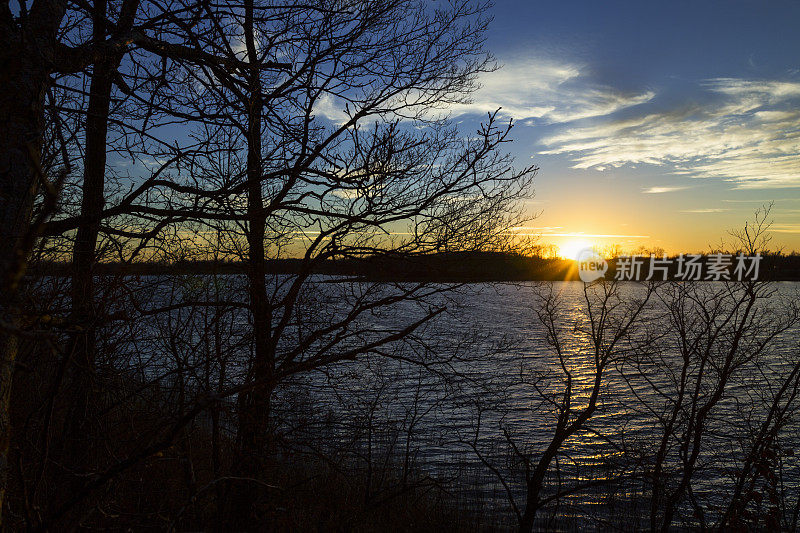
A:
(534, 486)
(254, 404)
(84, 312)
(25, 74)
(19, 141)
(529, 515)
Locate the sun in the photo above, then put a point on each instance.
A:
(573, 247)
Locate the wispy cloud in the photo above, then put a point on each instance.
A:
(540, 90)
(762, 201)
(599, 235)
(707, 210)
(550, 231)
(544, 229)
(747, 132)
(661, 190)
(785, 228)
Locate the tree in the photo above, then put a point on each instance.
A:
(570, 388)
(324, 123)
(32, 51)
(282, 171)
(717, 340)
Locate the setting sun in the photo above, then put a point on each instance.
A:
(573, 247)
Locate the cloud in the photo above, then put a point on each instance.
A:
(785, 228)
(661, 190)
(543, 233)
(599, 235)
(331, 108)
(747, 132)
(707, 210)
(538, 90)
(543, 229)
(763, 201)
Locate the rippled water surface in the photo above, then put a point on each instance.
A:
(488, 381)
(507, 371)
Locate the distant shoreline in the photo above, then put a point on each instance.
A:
(456, 267)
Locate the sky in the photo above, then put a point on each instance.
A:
(655, 124)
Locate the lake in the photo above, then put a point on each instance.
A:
(459, 395)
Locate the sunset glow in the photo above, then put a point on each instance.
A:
(573, 247)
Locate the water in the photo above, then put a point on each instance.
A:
(468, 393)
(522, 373)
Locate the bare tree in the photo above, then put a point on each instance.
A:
(320, 132)
(571, 389)
(715, 338)
(38, 43)
(277, 171)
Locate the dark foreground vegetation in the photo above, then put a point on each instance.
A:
(281, 140)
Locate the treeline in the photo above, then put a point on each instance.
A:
(441, 267)
(456, 266)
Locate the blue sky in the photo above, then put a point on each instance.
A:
(661, 124)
